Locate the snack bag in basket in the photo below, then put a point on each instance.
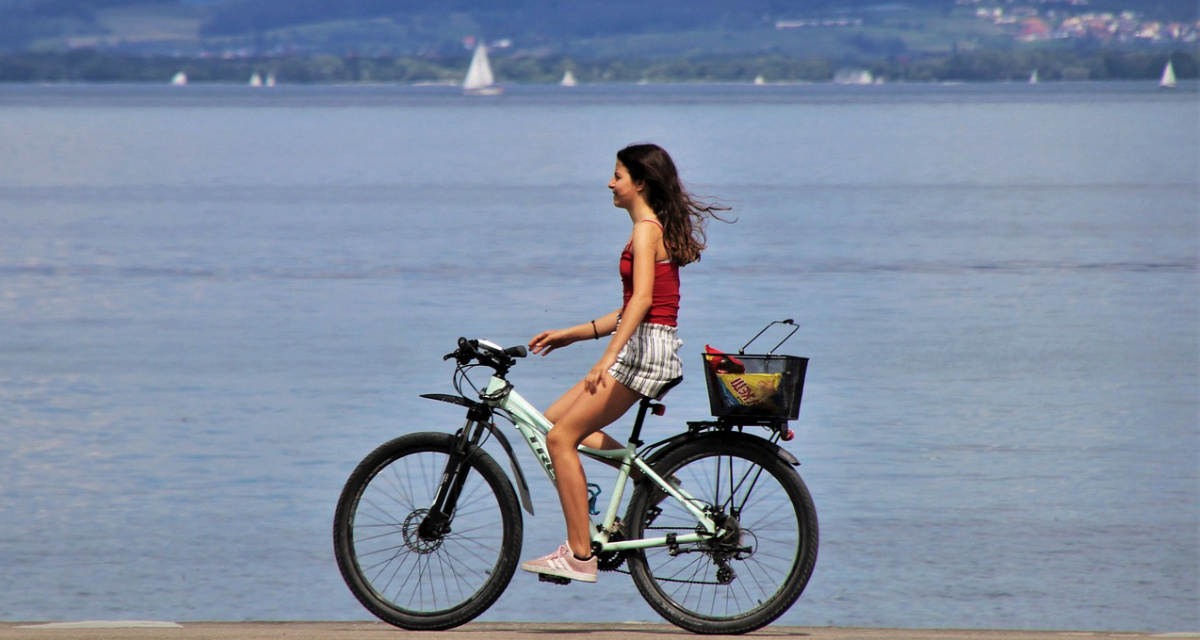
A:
(722, 362)
(758, 390)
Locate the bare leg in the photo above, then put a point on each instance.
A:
(585, 415)
(597, 440)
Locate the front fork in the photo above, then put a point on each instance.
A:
(436, 523)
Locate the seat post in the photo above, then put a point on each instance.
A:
(647, 404)
(635, 436)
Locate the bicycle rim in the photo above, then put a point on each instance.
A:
(426, 584)
(751, 576)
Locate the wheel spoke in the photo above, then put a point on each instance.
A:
(426, 582)
(756, 566)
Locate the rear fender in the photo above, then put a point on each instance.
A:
(717, 437)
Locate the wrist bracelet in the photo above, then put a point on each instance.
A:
(595, 333)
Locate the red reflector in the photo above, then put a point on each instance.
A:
(659, 409)
(789, 435)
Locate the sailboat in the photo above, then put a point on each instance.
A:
(479, 80)
(1168, 77)
(568, 79)
(1033, 77)
(179, 79)
(256, 80)
(270, 79)
(853, 76)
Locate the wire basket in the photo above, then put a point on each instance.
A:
(768, 386)
(755, 387)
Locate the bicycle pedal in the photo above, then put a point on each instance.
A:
(543, 577)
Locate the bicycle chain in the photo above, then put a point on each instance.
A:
(674, 580)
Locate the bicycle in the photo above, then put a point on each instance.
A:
(720, 534)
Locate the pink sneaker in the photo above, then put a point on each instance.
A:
(564, 564)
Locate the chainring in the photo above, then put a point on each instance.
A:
(612, 560)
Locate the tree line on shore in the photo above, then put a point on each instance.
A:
(966, 66)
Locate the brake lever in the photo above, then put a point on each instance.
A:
(462, 354)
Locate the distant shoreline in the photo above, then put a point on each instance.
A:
(454, 86)
(90, 66)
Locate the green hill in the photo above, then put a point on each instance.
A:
(582, 29)
(535, 41)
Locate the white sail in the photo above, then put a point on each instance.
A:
(759, 80)
(256, 80)
(1168, 77)
(479, 78)
(1033, 77)
(568, 79)
(853, 76)
(179, 79)
(270, 79)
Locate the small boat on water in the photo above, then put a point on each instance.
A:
(853, 76)
(479, 80)
(568, 79)
(1033, 77)
(256, 80)
(179, 79)
(1168, 77)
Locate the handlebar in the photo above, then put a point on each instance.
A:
(486, 353)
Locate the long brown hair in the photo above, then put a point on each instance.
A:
(683, 216)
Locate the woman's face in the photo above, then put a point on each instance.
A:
(625, 191)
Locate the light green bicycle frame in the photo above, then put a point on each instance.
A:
(533, 427)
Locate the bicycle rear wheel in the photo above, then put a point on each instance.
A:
(426, 582)
(753, 573)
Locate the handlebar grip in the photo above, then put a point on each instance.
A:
(518, 351)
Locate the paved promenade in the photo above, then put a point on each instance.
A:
(499, 631)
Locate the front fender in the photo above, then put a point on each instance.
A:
(453, 399)
(522, 486)
(481, 413)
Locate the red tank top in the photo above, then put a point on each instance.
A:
(664, 301)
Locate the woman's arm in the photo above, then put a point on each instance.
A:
(646, 238)
(607, 324)
(548, 341)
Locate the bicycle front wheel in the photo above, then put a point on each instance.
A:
(756, 567)
(419, 581)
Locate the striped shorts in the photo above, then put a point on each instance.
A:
(649, 360)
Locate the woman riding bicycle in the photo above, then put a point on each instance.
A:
(642, 355)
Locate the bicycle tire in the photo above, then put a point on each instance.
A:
(773, 520)
(420, 584)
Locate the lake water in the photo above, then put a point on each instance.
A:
(216, 300)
